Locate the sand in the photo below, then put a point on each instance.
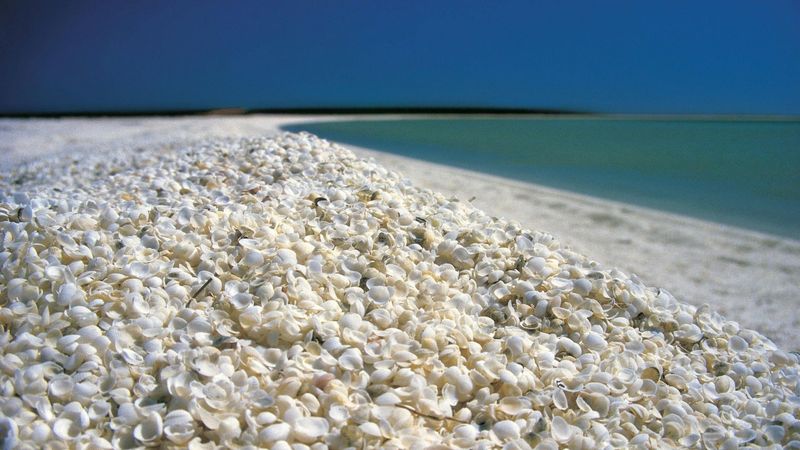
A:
(747, 276)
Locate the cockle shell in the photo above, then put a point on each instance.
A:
(149, 429)
(9, 432)
(66, 429)
(275, 432)
(351, 359)
(505, 430)
(561, 430)
(310, 429)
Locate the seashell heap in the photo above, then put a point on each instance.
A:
(280, 292)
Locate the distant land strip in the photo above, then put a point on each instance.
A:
(303, 111)
(407, 110)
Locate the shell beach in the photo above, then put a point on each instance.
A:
(283, 293)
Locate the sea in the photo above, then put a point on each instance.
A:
(744, 173)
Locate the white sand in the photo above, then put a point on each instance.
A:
(749, 277)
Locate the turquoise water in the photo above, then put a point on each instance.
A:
(737, 172)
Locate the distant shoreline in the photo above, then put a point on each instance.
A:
(435, 111)
(391, 110)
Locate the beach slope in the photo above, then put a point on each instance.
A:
(282, 290)
(748, 277)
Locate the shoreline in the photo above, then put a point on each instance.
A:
(730, 268)
(519, 184)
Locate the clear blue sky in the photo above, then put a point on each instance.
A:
(730, 57)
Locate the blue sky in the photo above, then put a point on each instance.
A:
(678, 57)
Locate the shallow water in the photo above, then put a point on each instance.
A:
(737, 172)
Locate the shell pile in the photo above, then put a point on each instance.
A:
(283, 293)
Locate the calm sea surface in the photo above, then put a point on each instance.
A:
(742, 173)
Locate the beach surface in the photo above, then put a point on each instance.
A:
(748, 277)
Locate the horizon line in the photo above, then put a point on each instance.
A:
(392, 110)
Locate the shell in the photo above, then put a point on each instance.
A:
(379, 295)
(370, 429)
(560, 399)
(242, 300)
(149, 429)
(505, 430)
(229, 428)
(561, 430)
(61, 387)
(9, 432)
(594, 341)
(131, 357)
(387, 399)
(338, 413)
(253, 258)
(652, 373)
(310, 429)
(737, 344)
(66, 429)
(274, 433)
(351, 359)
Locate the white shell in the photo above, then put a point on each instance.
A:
(98, 410)
(253, 258)
(9, 432)
(379, 294)
(387, 399)
(516, 344)
(560, 399)
(351, 359)
(310, 429)
(370, 429)
(287, 257)
(229, 428)
(179, 426)
(66, 429)
(40, 432)
(242, 300)
(467, 432)
(561, 430)
(149, 429)
(275, 432)
(131, 357)
(338, 413)
(505, 430)
(61, 386)
(594, 341)
(582, 286)
(513, 405)
(737, 344)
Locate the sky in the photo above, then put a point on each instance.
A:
(659, 57)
